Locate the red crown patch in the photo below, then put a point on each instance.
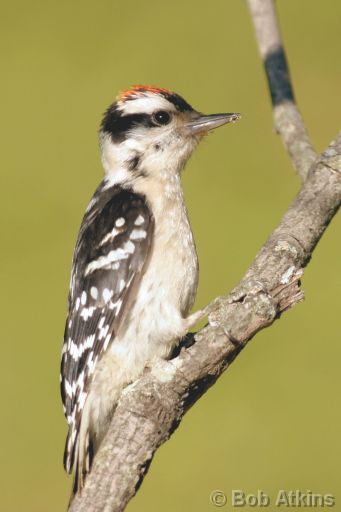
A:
(136, 89)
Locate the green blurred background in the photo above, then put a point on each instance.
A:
(273, 420)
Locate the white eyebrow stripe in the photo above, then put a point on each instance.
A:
(146, 104)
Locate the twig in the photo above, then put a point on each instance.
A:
(151, 408)
(287, 118)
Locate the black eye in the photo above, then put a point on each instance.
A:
(161, 117)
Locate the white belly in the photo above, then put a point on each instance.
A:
(165, 295)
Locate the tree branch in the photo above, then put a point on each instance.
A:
(151, 408)
(287, 118)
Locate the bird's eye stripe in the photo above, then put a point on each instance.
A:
(118, 126)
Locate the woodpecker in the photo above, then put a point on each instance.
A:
(135, 267)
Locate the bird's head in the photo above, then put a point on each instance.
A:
(152, 132)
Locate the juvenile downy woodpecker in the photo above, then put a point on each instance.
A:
(135, 268)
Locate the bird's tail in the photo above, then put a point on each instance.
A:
(78, 454)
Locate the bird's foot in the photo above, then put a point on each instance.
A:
(192, 319)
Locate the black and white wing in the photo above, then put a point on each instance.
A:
(112, 249)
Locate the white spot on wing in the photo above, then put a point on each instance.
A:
(87, 313)
(83, 298)
(107, 294)
(76, 351)
(138, 234)
(68, 388)
(94, 292)
(117, 254)
(129, 247)
(118, 305)
(91, 365)
(105, 261)
(110, 236)
(106, 342)
(139, 220)
(120, 222)
(81, 400)
(103, 332)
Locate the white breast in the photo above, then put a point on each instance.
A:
(168, 287)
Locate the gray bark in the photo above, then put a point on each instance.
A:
(287, 118)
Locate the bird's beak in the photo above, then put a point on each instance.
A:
(204, 123)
